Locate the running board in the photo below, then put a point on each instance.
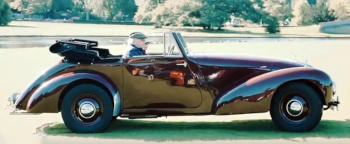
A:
(138, 116)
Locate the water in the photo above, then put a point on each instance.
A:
(28, 42)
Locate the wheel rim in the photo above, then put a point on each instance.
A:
(87, 109)
(295, 108)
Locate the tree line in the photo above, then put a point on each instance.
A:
(209, 14)
(122, 10)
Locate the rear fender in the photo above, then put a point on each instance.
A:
(46, 97)
(255, 94)
(23, 98)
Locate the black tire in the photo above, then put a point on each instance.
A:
(296, 107)
(87, 108)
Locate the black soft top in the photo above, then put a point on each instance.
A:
(82, 51)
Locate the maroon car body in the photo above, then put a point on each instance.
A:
(176, 83)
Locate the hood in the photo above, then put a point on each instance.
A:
(232, 60)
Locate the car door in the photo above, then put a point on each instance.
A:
(160, 81)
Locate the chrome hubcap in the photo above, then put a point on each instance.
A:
(294, 107)
(87, 109)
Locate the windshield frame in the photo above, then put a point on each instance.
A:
(181, 43)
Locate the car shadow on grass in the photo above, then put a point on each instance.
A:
(183, 131)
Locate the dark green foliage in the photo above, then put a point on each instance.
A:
(312, 2)
(315, 14)
(209, 14)
(213, 14)
(242, 8)
(272, 24)
(117, 10)
(120, 10)
(248, 10)
(221, 10)
(61, 8)
(280, 9)
(62, 5)
(5, 13)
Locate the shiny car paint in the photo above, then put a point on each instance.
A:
(53, 71)
(177, 85)
(47, 96)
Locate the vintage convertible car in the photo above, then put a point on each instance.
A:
(90, 87)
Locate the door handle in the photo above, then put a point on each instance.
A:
(182, 64)
(150, 77)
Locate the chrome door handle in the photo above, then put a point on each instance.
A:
(150, 77)
(182, 64)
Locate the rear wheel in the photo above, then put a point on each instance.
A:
(87, 108)
(296, 107)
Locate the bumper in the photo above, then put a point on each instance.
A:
(12, 100)
(12, 108)
(334, 103)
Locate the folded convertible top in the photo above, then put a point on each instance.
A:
(82, 51)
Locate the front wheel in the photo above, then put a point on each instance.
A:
(87, 108)
(296, 107)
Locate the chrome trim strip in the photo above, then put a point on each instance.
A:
(116, 104)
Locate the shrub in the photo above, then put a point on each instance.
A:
(5, 13)
(315, 14)
(272, 24)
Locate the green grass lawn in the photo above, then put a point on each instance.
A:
(181, 131)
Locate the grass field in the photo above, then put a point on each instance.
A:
(25, 28)
(187, 131)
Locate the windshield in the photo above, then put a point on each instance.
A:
(170, 45)
(182, 43)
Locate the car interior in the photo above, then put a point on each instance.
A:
(87, 51)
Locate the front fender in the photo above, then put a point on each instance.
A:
(46, 97)
(255, 94)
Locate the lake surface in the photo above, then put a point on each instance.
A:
(28, 42)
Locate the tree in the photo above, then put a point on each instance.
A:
(212, 14)
(247, 9)
(177, 14)
(315, 14)
(144, 12)
(5, 13)
(81, 9)
(89, 9)
(120, 10)
(17, 5)
(61, 8)
(280, 9)
(342, 9)
(272, 24)
(209, 14)
(40, 7)
(62, 5)
(312, 2)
